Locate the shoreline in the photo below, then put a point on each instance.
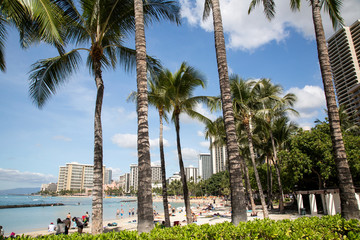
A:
(220, 214)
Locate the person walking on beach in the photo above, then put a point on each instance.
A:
(117, 213)
(122, 213)
(133, 211)
(67, 223)
(60, 227)
(1, 232)
(68, 216)
(79, 224)
(129, 212)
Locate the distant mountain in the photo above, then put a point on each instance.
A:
(19, 191)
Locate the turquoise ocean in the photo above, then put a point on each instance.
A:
(20, 220)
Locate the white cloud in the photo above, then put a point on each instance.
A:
(62, 138)
(248, 32)
(310, 101)
(200, 133)
(189, 154)
(166, 128)
(130, 141)
(205, 144)
(25, 177)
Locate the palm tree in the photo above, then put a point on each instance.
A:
(273, 108)
(238, 205)
(245, 100)
(103, 26)
(180, 87)
(349, 208)
(157, 98)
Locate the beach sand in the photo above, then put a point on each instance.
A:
(203, 217)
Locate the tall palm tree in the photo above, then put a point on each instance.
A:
(274, 107)
(245, 100)
(102, 28)
(238, 205)
(145, 212)
(349, 206)
(180, 87)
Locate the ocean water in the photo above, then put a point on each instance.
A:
(20, 220)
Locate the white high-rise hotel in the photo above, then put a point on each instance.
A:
(344, 53)
(155, 176)
(76, 176)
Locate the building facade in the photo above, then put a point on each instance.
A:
(205, 165)
(192, 174)
(107, 176)
(76, 176)
(50, 187)
(155, 176)
(344, 53)
(176, 176)
(124, 182)
(219, 157)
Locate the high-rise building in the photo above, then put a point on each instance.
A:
(344, 53)
(124, 182)
(50, 187)
(205, 166)
(191, 173)
(155, 175)
(76, 176)
(218, 157)
(176, 176)
(108, 176)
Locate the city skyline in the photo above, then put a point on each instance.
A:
(36, 142)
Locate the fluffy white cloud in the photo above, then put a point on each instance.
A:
(25, 177)
(189, 154)
(310, 101)
(130, 141)
(200, 133)
(205, 144)
(62, 138)
(248, 32)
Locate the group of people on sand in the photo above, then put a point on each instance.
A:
(63, 226)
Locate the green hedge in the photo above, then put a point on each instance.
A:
(327, 227)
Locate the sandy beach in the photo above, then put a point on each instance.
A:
(220, 213)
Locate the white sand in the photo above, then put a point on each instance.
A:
(203, 217)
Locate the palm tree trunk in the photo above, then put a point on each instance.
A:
(248, 127)
(349, 206)
(248, 186)
(269, 182)
(278, 173)
(182, 172)
(163, 174)
(97, 201)
(145, 203)
(238, 203)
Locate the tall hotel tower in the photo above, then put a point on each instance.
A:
(344, 53)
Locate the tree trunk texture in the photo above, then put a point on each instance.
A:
(248, 186)
(238, 203)
(163, 174)
(269, 184)
(182, 173)
(349, 206)
(278, 173)
(145, 203)
(252, 156)
(97, 201)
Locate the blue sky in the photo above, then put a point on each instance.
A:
(34, 143)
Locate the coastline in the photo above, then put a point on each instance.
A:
(220, 214)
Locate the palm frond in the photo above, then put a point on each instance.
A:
(295, 5)
(333, 8)
(161, 10)
(48, 74)
(269, 7)
(2, 43)
(207, 9)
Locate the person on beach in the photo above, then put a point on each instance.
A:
(129, 212)
(68, 216)
(122, 213)
(133, 211)
(117, 213)
(67, 223)
(1, 231)
(60, 227)
(79, 224)
(51, 227)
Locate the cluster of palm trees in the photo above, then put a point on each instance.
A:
(100, 29)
